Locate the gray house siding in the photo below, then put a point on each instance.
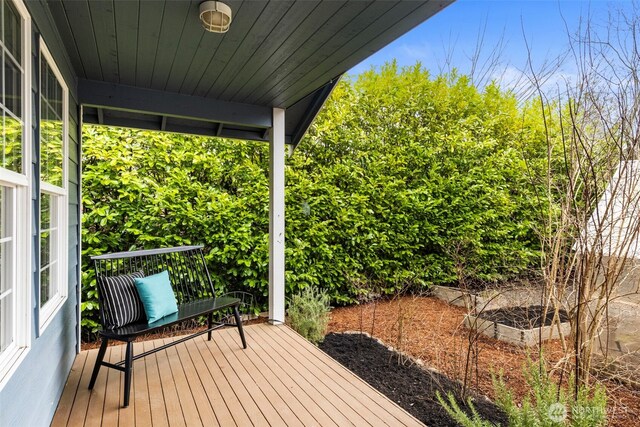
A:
(31, 395)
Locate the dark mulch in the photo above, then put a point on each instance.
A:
(409, 385)
(523, 317)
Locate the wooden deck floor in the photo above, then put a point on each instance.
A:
(280, 380)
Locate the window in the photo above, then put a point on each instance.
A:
(53, 188)
(15, 198)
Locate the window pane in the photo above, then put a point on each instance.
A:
(6, 321)
(12, 87)
(51, 151)
(12, 147)
(45, 211)
(48, 244)
(11, 128)
(45, 248)
(6, 267)
(55, 95)
(44, 137)
(45, 286)
(7, 238)
(48, 229)
(7, 288)
(12, 25)
(58, 101)
(51, 90)
(51, 128)
(3, 211)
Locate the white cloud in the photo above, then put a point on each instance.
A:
(410, 53)
(523, 84)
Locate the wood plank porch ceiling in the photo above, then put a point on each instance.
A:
(276, 53)
(280, 380)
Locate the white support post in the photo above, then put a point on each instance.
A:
(276, 218)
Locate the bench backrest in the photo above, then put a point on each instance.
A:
(186, 266)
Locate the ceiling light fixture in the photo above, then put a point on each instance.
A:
(215, 16)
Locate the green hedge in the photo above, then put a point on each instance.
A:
(401, 178)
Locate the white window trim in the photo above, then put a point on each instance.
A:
(13, 356)
(53, 306)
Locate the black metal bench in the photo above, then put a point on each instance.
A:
(194, 293)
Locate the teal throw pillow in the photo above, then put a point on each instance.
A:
(157, 296)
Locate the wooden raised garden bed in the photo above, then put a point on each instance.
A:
(455, 296)
(522, 326)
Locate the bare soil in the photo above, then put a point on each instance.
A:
(433, 332)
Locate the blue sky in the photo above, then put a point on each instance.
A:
(544, 23)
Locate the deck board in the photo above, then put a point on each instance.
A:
(66, 402)
(81, 398)
(286, 408)
(271, 406)
(304, 382)
(112, 390)
(236, 409)
(359, 389)
(140, 392)
(199, 394)
(290, 390)
(156, 396)
(280, 380)
(95, 407)
(341, 411)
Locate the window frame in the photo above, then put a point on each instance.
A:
(48, 311)
(12, 356)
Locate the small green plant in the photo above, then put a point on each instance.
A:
(309, 313)
(459, 415)
(547, 405)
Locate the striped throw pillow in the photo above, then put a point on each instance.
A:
(121, 303)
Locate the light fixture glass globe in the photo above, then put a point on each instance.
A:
(215, 16)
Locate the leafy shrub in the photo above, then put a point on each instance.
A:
(400, 174)
(150, 189)
(547, 404)
(309, 313)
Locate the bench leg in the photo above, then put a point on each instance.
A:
(209, 325)
(128, 365)
(98, 364)
(236, 314)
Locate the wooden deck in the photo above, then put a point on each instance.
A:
(280, 380)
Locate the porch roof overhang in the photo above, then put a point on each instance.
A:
(149, 64)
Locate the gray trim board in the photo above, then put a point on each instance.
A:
(125, 106)
(173, 125)
(319, 98)
(134, 99)
(79, 231)
(43, 24)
